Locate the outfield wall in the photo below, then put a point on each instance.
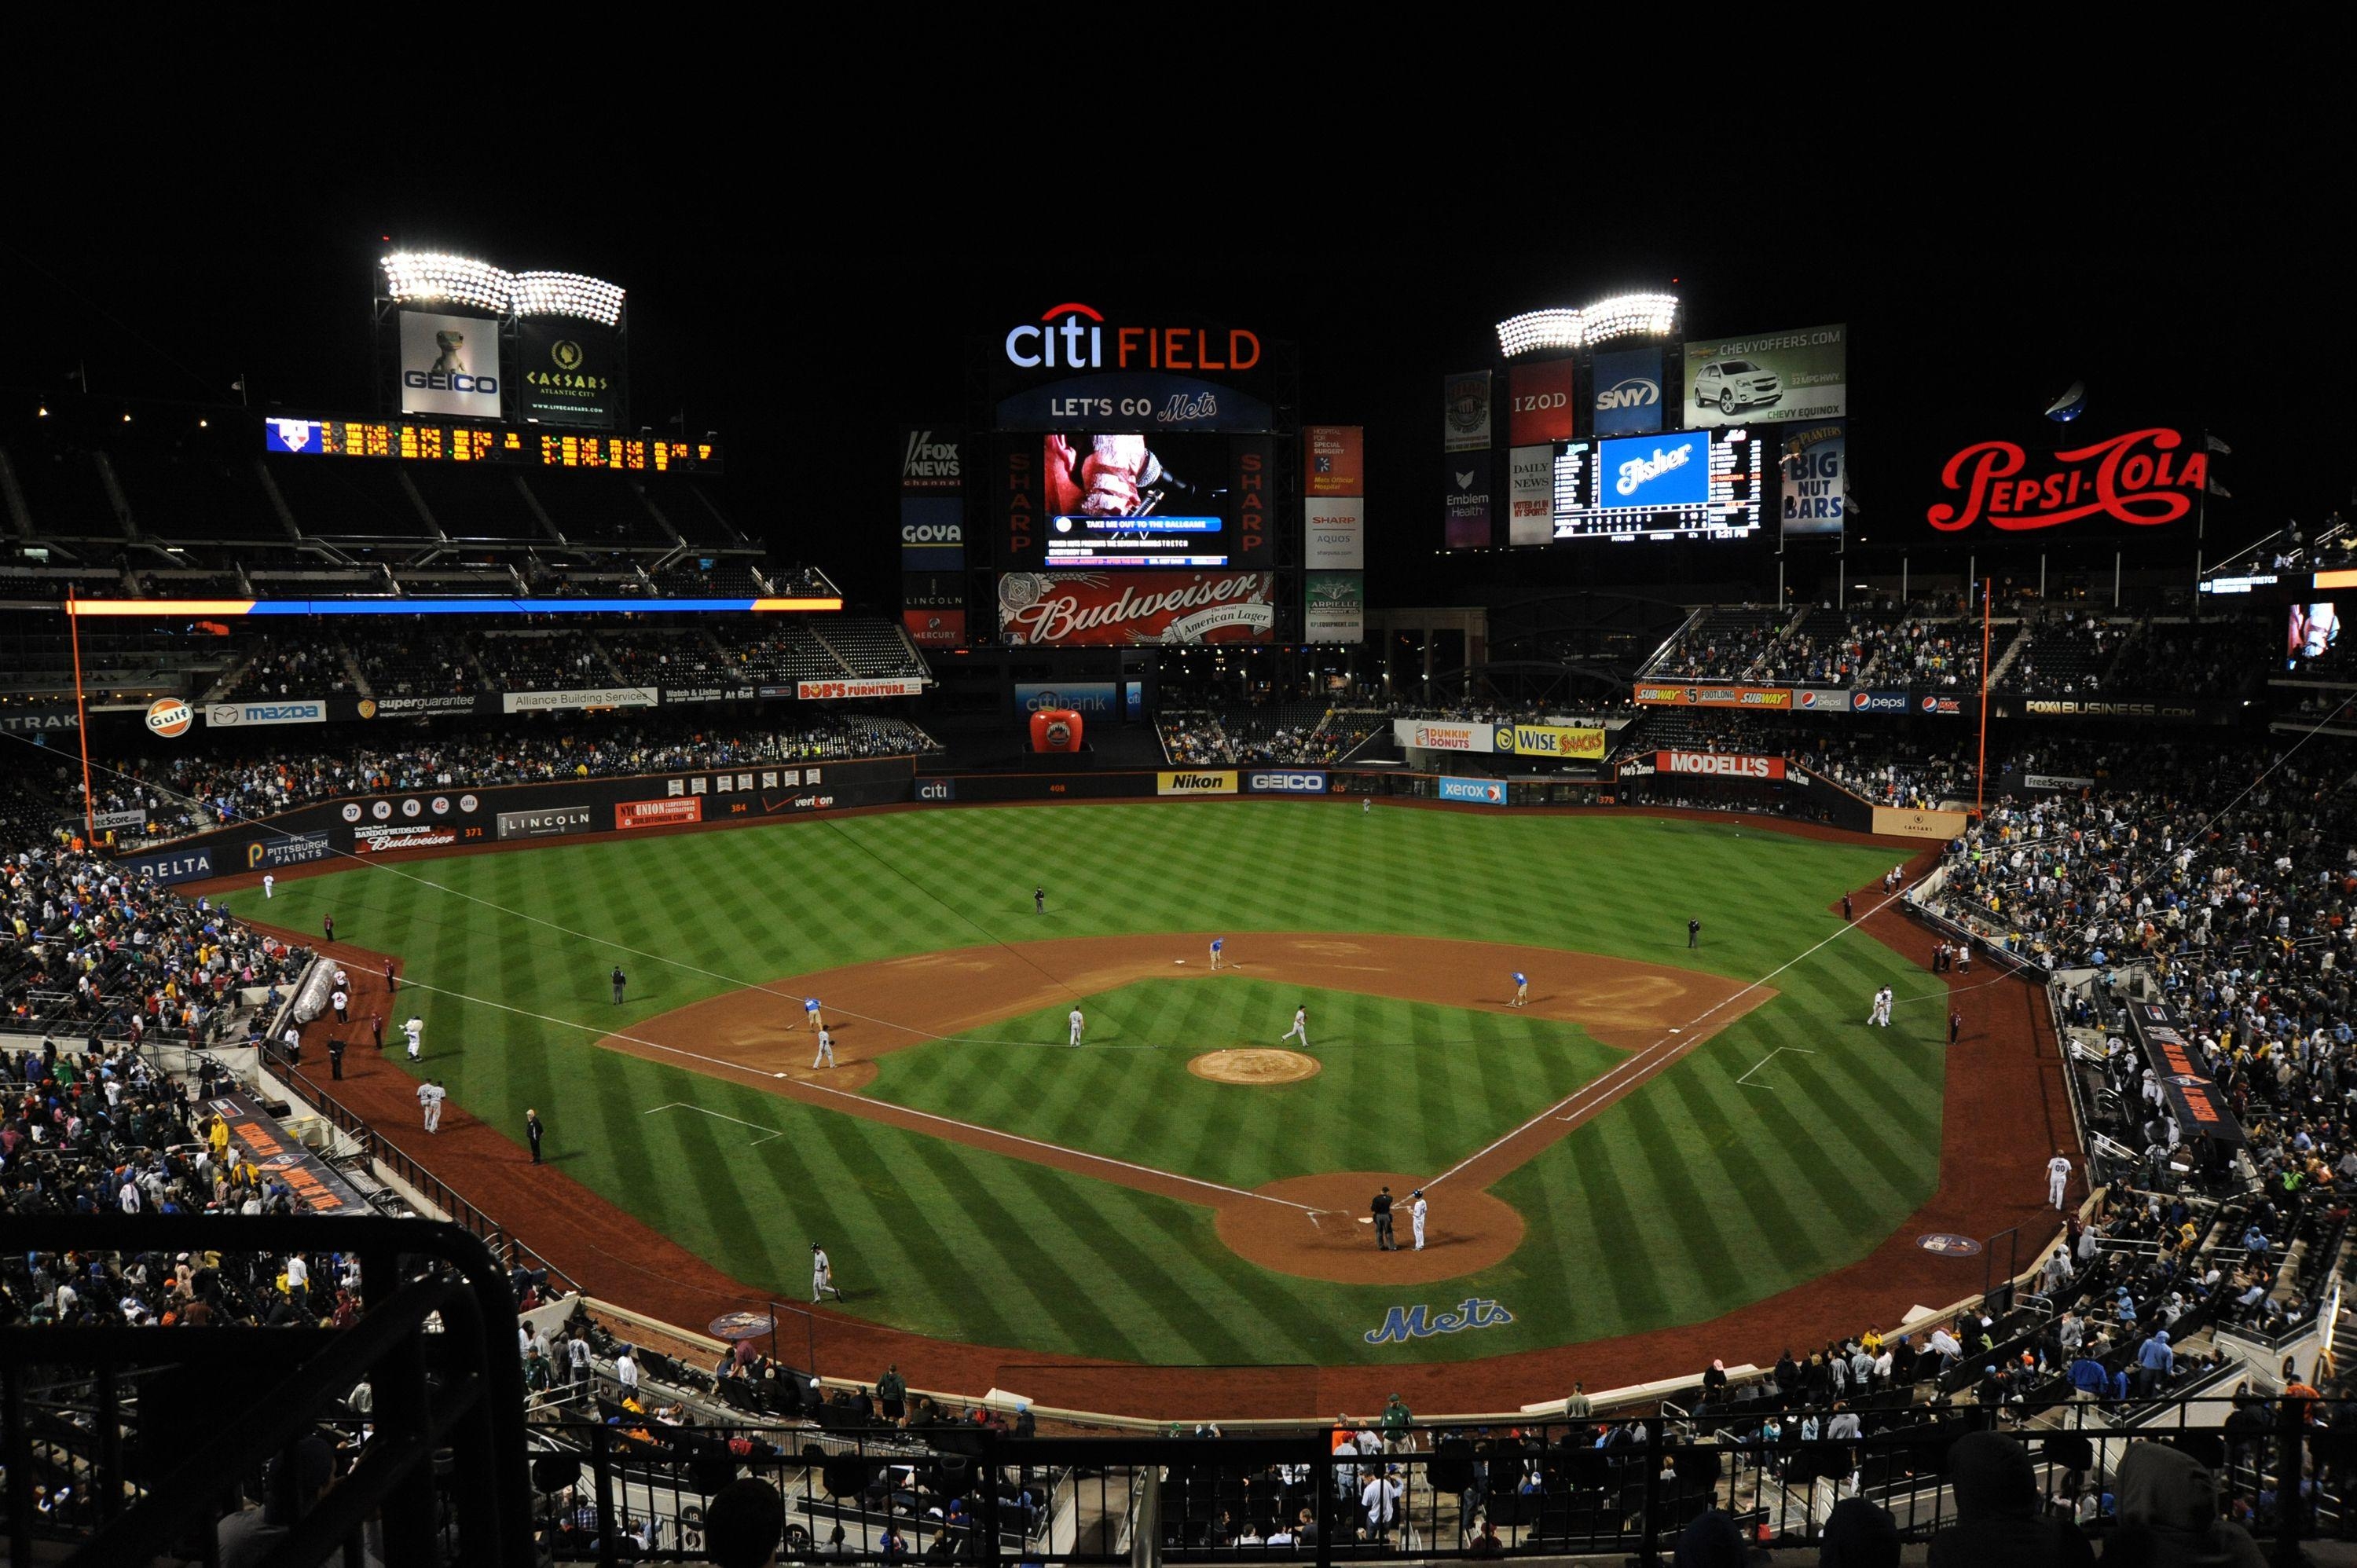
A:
(379, 824)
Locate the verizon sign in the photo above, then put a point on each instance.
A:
(1720, 765)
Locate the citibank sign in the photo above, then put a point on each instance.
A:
(1075, 336)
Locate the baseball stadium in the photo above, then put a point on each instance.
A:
(1109, 1006)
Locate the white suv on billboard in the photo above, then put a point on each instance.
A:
(1734, 383)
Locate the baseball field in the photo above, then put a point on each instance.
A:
(1662, 1136)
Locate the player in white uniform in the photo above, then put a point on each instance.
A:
(414, 1028)
(1522, 989)
(1880, 1012)
(822, 1274)
(1300, 1029)
(1078, 1023)
(1415, 1216)
(1366, 805)
(1219, 945)
(2058, 1177)
(269, 885)
(825, 1056)
(430, 1094)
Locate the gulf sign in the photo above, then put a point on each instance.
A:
(1718, 764)
(1774, 698)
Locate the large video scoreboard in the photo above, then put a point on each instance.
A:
(1686, 484)
(456, 441)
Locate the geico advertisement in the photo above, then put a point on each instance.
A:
(1211, 783)
(1719, 765)
(449, 364)
(1272, 781)
(1551, 740)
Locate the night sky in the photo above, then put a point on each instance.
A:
(804, 305)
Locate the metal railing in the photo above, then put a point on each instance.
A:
(643, 1490)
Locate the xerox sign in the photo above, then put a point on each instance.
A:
(1297, 782)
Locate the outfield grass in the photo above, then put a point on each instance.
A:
(1402, 1086)
(1693, 1196)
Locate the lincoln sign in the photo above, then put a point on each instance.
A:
(2144, 479)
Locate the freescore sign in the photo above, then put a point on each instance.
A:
(2144, 479)
(1075, 336)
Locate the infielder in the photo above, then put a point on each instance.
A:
(414, 1029)
(822, 1274)
(268, 884)
(2058, 1177)
(811, 1019)
(825, 1056)
(1522, 989)
(1219, 945)
(1078, 1023)
(1300, 1029)
(430, 1095)
(1415, 1216)
(1880, 1011)
(621, 980)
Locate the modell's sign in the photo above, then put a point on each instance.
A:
(2145, 479)
(1718, 764)
(1111, 608)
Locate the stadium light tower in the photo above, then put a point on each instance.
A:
(567, 294)
(1601, 321)
(418, 276)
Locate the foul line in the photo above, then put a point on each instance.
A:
(868, 1108)
(1763, 1061)
(1603, 1091)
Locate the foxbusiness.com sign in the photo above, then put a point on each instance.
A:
(1295, 783)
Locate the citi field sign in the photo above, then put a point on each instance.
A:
(2144, 479)
(1075, 336)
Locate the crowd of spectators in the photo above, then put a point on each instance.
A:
(418, 664)
(192, 791)
(291, 665)
(89, 950)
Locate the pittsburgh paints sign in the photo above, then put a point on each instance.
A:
(1403, 1324)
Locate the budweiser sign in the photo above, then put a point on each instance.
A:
(1082, 608)
(1718, 764)
(2144, 479)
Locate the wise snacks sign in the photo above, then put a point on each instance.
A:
(2145, 479)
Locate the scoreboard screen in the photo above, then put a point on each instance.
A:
(449, 441)
(1097, 500)
(1686, 484)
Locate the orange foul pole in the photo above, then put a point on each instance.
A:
(81, 720)
(1980, 788)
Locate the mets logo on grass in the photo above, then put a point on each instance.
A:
(1403, 1324)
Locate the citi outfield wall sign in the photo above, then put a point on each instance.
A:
(1075, 336)
(2144, 479)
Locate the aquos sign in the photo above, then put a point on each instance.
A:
(2144, 479)
(1075, 336)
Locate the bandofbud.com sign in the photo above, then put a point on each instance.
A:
(1269, 781)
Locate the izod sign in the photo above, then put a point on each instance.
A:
(1075, 336)
(2145, 479)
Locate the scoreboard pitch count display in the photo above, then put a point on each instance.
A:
(443, 441)
(1687, 483)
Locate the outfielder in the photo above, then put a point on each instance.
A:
(1415, 1216)
(1219, 945)
(822, 1274)
(414, 1029)
(1522, 989)
(2058, 1177)
(1880, 1011)
(811, 1019)
(269, 882)
(1300, 1029)
(825, 1056)
(1078, 1023)
(1366, 805)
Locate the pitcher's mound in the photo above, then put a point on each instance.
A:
(1255, 1064)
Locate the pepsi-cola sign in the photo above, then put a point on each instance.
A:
(2144, 479)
